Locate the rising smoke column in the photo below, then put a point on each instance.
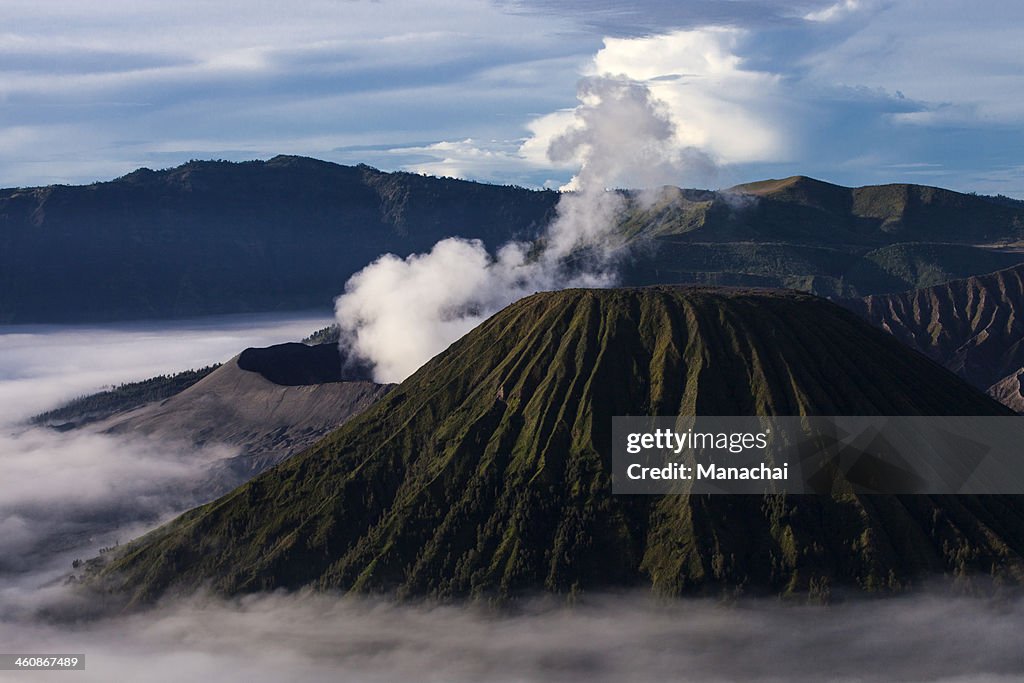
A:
(398, 313)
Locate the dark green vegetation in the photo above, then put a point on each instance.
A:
(972, 326)
(325, 335)
(486, 473)
(805, 234)
(217, 237)
(125, 397)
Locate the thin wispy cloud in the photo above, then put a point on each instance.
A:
(141, 83)
(844, 89)
(850, 91)
(835, 12)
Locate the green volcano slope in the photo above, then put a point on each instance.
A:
(486, 473)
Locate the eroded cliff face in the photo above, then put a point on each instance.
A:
(972, 326)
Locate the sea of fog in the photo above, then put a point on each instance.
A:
(66, 495)
(43, 365)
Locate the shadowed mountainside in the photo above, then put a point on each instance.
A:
(972, 326)
(487, 472)
(914, 213)
(827, 239)
(214, 237)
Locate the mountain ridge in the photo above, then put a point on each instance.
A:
(831, 240)
(211, 237)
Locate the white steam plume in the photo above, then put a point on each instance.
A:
(398, 313)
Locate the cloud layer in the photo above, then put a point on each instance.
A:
(856, 91)
(932, 637)
(94, 94)
(853, 90)
(43, 365)
(63, 496)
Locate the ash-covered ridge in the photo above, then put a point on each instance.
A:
(269, 402)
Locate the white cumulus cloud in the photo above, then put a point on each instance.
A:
(730, 112)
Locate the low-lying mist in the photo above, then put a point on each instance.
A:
(927, 637)
(65, 496)
(44, 365)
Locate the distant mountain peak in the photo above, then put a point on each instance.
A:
(210, 237)
(775, 185)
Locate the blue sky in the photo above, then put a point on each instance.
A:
(852, 91)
